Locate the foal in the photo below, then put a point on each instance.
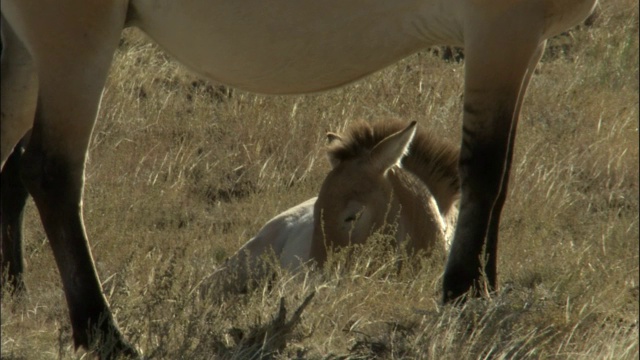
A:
(421, 199)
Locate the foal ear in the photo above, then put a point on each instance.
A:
(393, 148)
(333, 139)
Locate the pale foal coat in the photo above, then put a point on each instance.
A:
(287, 236)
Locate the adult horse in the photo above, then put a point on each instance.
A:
(57, 55)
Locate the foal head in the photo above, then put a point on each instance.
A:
(357, 196)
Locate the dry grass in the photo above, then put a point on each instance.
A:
(181, 174)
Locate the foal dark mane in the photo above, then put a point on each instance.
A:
(427, 154)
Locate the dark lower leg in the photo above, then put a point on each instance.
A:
(491, 265)
(463, 268)
(14, 197)
(56, 187)
(471, 262)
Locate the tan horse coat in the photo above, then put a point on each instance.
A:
(57, 55)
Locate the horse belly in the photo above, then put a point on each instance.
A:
(561, 15)
(283, 46)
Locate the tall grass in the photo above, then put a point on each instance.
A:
(182, 172)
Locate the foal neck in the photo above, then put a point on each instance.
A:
(435, 163)
(420, 218)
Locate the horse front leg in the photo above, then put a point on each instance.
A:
(498, 54)
(72, 45)
(52, 168)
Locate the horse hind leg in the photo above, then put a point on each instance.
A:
(496, 73)
(14, 198)
(18, 97)
(72, 47)
(494, 223)
(18, 93)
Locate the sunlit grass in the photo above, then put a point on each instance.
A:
(181, 173)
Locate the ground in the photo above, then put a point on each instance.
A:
(182, 172)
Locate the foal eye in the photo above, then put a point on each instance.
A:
(351, 218)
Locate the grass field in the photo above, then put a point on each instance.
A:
(182, 172)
